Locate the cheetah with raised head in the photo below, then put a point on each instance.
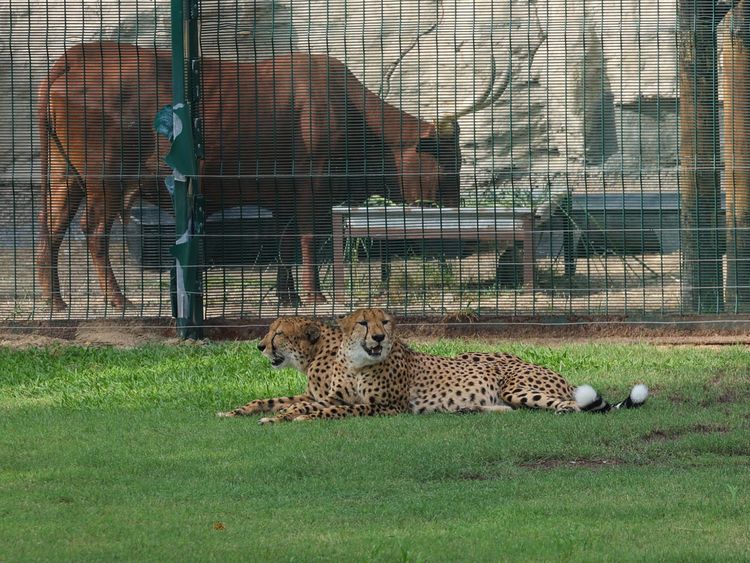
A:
(376, 373)
(305, 344)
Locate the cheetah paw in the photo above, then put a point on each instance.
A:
(498, 408)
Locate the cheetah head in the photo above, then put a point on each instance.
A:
(367, 336)
(290, 342)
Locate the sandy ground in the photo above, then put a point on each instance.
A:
(601, 286)
(600, 302)
(133, 333)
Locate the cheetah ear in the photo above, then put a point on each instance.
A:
(313, 333)
(340, 320)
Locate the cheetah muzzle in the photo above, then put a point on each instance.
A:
(375, 351)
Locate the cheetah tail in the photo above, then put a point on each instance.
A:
(638, 396)
(589, 400)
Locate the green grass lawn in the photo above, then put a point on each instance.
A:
(115, 454)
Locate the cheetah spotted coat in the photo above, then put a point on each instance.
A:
(375, 373)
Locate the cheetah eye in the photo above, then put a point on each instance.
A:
(363, 323)
(386, 321)
(280, 333)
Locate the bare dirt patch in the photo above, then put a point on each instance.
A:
(660, 434)
(131, 331)
(729, 393)
(728, 396)
(124, 333)
(103, 334)
(20, 341)
(475, 477)
(548, 464)
(683, 331)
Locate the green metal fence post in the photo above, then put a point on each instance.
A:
(188, 293)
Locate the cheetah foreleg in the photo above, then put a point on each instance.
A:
(342, 411)
(320, 410)
(293, 411)
(266, 405)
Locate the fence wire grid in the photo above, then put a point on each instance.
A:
(532, 158)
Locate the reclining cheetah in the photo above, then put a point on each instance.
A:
(374, 372)
(307, 345)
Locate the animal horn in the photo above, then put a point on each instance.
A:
(385, 86)
(446, 124)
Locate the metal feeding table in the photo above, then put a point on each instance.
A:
(476, 224)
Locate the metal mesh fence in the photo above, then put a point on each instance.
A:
(541, 158)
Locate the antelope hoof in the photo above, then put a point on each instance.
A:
(315, 298)
(57, 305)
(121, 302)
(289, 299)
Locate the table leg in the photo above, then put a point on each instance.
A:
(527, 236)
(339, 281)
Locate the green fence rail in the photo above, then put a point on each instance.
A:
(544, 158)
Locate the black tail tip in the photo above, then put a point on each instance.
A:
(589, 400)
(637, 397)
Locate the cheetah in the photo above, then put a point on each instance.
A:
(304, 344)
(375, 373)
(386, 377)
